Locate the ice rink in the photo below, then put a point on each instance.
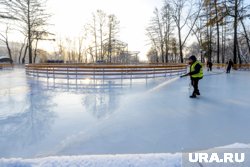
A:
(40, 117)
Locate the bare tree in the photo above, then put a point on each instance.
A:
(168, 28)
(38, 36)
(233, 9)
(92, 28)
(103, 32)
(25, 53)
(102, 19)
(160, 33)
(80, 48)
(31, 17)
(245, 35)
(155, 32)
(72, 50)
(61, 49)
(217, 21)
(183, 10)
(235, 16)
(23, 44)
(174, 49)
(97, 32)
(217, 13)
(243, 15)
(178, 10)
(155, 47)
(113, 30)
(152, 56)
(215, 24)
(4, 38)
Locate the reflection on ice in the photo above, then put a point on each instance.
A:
(37, 114)
(25, 119)
(99, 97)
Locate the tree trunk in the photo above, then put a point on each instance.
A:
(162, 53)
(246, 35)
(29, 33)
(223, 35)
(110, 42)
(25, 53)
(238, 53)
(218, 32)
(166, 53)
(95, 36)
(6, 41)
(35, 52)
(235, 31)
(20, 53)
(9, 52)
(180, 45)
(210, 48)
(101, 42)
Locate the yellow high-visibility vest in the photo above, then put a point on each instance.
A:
(192, 68)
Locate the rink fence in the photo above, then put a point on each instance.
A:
(80, 71)
(5, 65)
(236, 66)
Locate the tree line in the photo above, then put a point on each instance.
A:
(98, 42)
(215, 30)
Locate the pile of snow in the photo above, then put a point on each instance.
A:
(122, 160)
(137, 160)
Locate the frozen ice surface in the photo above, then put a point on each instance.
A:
(40, 117)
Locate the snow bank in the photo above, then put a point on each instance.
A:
(119, 160)
(136, 160)
(125, 160)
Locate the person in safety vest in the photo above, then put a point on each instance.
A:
(196, 73)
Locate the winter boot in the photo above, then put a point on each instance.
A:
(193, 96)
(198, 93)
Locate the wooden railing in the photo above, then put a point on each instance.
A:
(242, 66)
(80, 71)
(236, 66)
(6, 66)
(220, 65)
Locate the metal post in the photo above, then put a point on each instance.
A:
(54, 73)
(154, 72)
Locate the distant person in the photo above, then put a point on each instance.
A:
(209, 66)
(196, 73)
(229, 65)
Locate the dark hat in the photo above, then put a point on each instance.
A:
(193, 58)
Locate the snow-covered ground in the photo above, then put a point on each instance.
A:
(41, 118)
(130, 160)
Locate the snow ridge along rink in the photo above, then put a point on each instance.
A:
(125, 160)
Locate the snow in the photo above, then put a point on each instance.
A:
(146, 160)
(131, 123)
(125, 160)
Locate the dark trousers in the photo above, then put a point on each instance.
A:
(229, 69)
(209, 68)
(195, 84)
